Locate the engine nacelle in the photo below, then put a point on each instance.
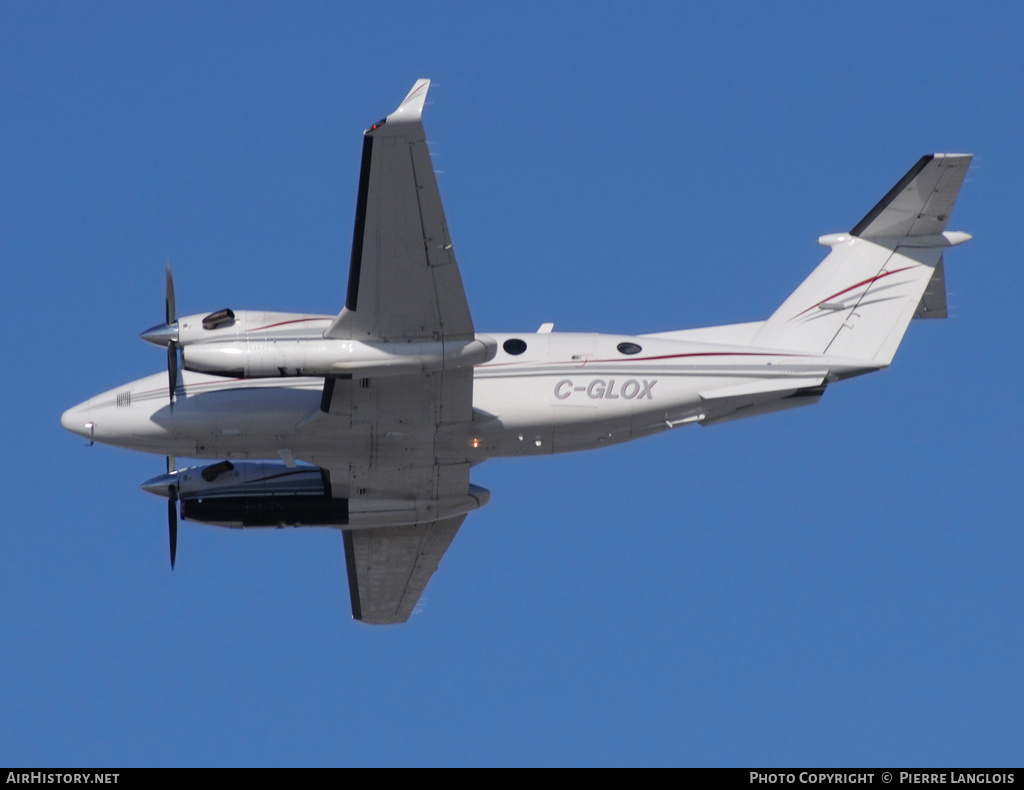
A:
(253, 494)
(267, 511)
(265, 345)
(231, 325)
(270, 494)
(255, 358)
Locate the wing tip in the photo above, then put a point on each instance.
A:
(411, 108)
(353, 582)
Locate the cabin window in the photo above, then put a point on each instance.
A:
(629, 348)
(514, 346)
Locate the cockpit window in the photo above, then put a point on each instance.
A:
(514, 346)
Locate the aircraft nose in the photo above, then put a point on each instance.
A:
(76, 419)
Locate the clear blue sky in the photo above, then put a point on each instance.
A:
(830, 586)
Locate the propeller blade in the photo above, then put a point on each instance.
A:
(172, 369)
(172, 511)
(172, 523)
(169, 298)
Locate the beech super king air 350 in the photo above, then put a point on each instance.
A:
(371, 420)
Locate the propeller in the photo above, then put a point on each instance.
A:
(172, 370)
(167, 485)
(166, 334)
(172, 505)
(172, 523)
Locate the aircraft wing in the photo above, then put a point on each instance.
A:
(404, 283)
(389, 568)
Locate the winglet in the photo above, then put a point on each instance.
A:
(411, 108)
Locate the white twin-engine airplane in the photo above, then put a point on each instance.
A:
(370, 421)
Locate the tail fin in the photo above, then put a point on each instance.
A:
(860, 299)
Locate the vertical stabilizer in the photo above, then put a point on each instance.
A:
(859, 301)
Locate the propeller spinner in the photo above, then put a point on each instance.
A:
(166, 334)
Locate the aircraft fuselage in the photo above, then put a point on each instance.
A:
(562, 392)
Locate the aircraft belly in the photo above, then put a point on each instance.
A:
(568, 411)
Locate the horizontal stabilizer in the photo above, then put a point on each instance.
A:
(920, 203)
(933, 303)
